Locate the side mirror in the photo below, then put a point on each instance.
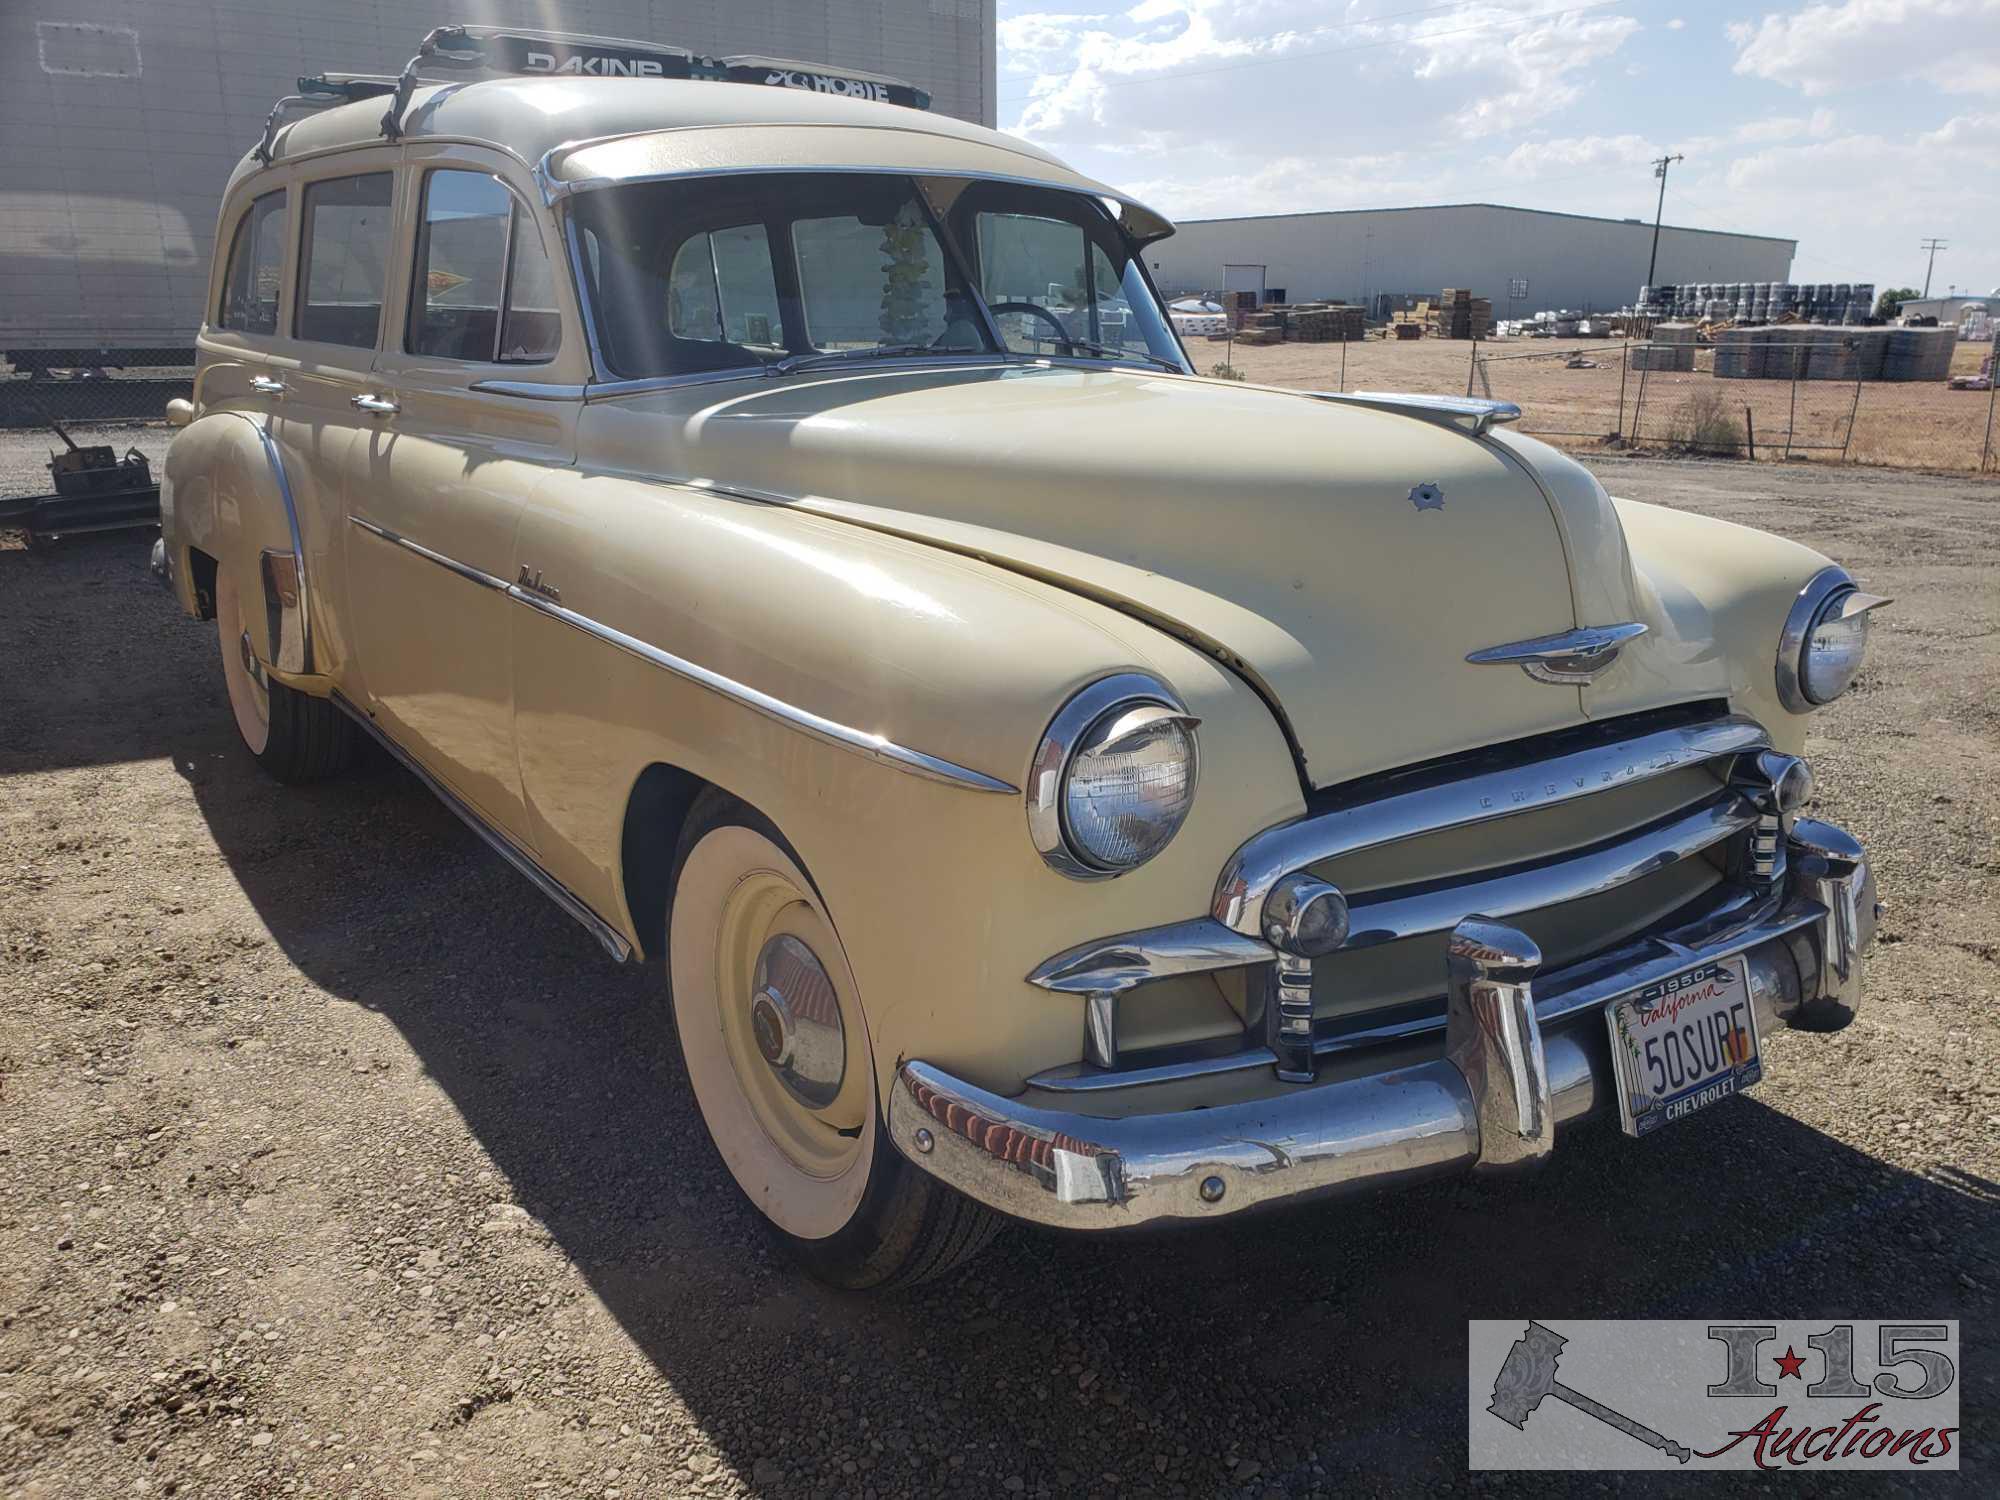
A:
(179, 412)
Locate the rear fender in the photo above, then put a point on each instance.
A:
(226, 495)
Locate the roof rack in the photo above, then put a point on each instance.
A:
(505, 52)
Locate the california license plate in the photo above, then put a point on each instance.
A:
(1683, 1044)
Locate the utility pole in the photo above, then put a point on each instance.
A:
(1660, 171)
(1933, 246)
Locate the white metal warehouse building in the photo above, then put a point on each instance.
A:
(1565, 260)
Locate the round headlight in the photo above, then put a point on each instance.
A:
(1114, 778)
(1834, 648)
(1824, 642)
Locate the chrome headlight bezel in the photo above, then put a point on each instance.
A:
(1830, 594)
(1068, 736)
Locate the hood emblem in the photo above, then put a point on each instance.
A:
(1427, 496)
(1572, 658)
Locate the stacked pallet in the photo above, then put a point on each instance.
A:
(1321, 322)
(1811, 352)
(1919, 354)
(1266, 327)
(1460, 315)
(1672, 348)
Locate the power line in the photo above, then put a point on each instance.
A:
(1264, 62)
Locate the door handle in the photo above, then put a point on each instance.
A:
(375, 406)
(268, 385)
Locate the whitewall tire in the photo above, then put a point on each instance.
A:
(775, 1039)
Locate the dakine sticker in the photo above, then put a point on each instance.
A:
(1777, 1397)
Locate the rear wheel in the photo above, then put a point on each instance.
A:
(293, 735)
(776, 1045)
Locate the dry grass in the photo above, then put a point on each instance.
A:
(1899, 424)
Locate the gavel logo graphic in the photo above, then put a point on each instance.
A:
(1529, 1373)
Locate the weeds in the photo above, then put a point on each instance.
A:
(1705, 423)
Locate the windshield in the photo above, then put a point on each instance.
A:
(692, 275)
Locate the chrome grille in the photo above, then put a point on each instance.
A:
(1584, 840)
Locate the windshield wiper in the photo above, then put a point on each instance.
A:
(793, 362)
(1113, 352)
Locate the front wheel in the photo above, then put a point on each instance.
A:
(776, 1046)
(293, 735)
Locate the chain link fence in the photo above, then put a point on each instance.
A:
(1809, 394)
(81, 385)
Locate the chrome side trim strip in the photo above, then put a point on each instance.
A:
(1255, 868)
(531, 390)
(607, 936)
(1507, 893)
(277, 463)
(450, 564)
(1471, 414)
(842, 736)
(858, 741)
(1568, 659)
(1111, 966)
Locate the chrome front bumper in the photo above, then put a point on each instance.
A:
(1521, 1053)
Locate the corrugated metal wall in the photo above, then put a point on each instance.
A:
(120, 120)
(1568, 260)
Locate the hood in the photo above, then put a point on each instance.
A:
(1344, 559)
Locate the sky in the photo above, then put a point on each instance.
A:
(1857, 127)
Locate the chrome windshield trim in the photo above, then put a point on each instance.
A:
(858, 741)
(555, 189)
(1465, 802)
(1569, 658)
(1110, 966)
(1510, 892)
(1472, 414)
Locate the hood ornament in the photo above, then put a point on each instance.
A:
(1427, 496)
(1572, 658)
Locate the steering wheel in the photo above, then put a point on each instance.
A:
(1062, 333)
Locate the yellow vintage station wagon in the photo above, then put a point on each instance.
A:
(1054, 785)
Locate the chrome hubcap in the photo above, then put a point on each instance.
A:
(795, 1020)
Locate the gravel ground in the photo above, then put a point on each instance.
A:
(334, 1161)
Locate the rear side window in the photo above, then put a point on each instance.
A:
(256, 266)
(483, 288)
(343, 259)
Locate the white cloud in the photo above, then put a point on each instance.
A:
(1209, 108)
(1951, 44)
(1676, 24)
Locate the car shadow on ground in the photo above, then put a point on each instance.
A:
(1331, 1334)
(1328, 1338)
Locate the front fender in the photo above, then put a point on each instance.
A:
(1714, 596)
(939, 896)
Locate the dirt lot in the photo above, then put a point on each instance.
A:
(1906, 424)
(334, 1161)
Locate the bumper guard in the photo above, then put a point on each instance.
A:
(1522, 1053)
